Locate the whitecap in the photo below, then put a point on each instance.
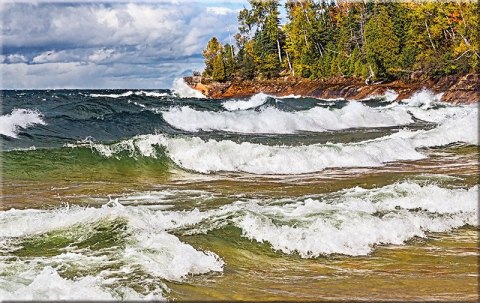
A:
(181, 89)
(11, 124)
(272, 120)
(254, 101)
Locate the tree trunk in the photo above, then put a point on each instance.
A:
(279, 51)
(430, 37)
(290, 65)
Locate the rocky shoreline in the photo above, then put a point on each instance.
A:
(455, 88)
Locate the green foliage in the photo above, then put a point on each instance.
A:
(210, 54)
(382, 45)
(229, 60)
(368, 39)
(218, 73)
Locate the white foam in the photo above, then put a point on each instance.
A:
(212, 156)
(462, 128)
(181, 89)
(130, 93)
(272, 120)
(441, 114)
(350, 222)
(114, 96)
(291, 96)
(154, 94)
(203, 156)
(148, 245)
(11, 124)
(49, 285)
(390, 95)
(354, 221)
(254, 101)
(423, 98)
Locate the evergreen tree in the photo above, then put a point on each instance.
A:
(218, 73)
(210, 54)
(382, 45)
(368, 39)
(229, 59)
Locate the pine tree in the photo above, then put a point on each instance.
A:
(218, 73)
(229, 60)
(210, 54)
(368, 39)
(382, 45)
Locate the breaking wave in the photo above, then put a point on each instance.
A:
(254, 101)
(181, 89)
(148, 246)
(272, 120)
(423, 98)
(206, 156)
(11, 124)
(354, 221)
(130, 93)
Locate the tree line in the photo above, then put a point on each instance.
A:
(372, 40)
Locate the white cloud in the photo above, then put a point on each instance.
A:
(220, 10)
(159, 26)
(83, 37)
(58, 56)
(16, 58)
(91, 75)
(103, 55)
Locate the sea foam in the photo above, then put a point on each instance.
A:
(148, 246)
(181, 89)
(272, 120)
(11, 124)
(130, 93)
(354, 221)
(351, 222)
(206, 156)
(254, 101)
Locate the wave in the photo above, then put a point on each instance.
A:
(47, 284)
(130, 93)
(181, 89)
(350, 222)
(390, 95)
(148, 246)
(354, 221)
(11, 124)
(423, 98)
(440, 114)
(254, 101)
(207, 156)
(272, 120)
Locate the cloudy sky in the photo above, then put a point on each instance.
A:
(92, 44)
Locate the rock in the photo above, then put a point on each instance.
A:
(456, 89)
(465, 90)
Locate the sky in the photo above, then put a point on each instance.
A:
(121, 44)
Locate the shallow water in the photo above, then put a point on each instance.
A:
(150, 195)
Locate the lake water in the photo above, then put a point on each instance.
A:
(131, 194)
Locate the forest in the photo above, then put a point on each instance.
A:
(371, 40)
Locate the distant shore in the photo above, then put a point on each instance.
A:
(455, 88)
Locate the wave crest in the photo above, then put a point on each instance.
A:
(254, 101)
(11, 124)
(272, 120)
(181, 89)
